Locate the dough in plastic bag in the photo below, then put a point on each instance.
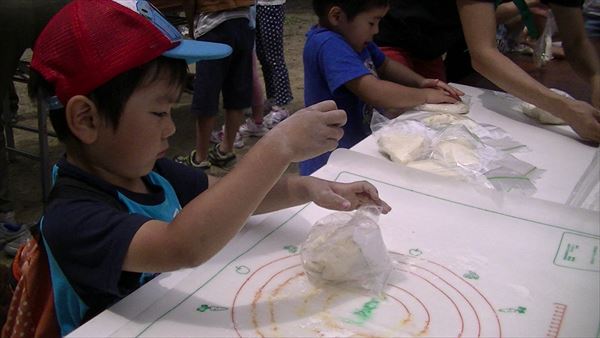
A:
(401, 148)
(347, 250)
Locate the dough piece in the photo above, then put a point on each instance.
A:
(434, 167)
(336, 264)
(401, 148)
(455, 153)
(541, 115)
(452, 108)
(437, 121)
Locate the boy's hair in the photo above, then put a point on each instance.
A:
(351, 7)
(111, 97)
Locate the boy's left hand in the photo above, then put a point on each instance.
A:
(437, 84)
(344, 196)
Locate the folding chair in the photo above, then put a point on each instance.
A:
(22, 76)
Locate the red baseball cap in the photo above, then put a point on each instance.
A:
(89, 42)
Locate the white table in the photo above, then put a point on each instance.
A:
(470, 262)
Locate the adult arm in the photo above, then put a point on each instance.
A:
(479, 26)
(579, 51)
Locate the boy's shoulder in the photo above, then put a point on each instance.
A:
(318, 35)
(72, 183)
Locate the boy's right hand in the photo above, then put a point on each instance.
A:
(309, 132)
(438, 96)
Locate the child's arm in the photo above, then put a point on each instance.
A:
(393, 96)
(294, 190)
(210, 220)
(394, 71)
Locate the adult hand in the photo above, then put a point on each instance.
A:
(309, 132)
(344, 196)
(437, 84)
(585, 120)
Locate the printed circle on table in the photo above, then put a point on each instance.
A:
(423, 298)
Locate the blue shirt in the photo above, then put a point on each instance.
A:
(330, 63)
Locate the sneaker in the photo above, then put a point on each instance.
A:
(276, 115)
(250, 128)
(217, 137)
(217, 158)
(10, 232)
(13, 246)
(190, 160)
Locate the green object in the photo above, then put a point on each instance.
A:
(519, 310)
(291, 248)
(366, 312)
(526, 16)
(471, 275)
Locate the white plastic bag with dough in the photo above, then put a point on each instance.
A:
(404, 141)
(347, 250)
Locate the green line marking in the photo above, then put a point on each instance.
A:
(520, 310)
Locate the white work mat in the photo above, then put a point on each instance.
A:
(469, 263)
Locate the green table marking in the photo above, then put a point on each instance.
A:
(578, 252)
(365, 313)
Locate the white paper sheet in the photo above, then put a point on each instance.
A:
(468, 263)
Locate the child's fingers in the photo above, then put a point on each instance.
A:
(335, 117)
(324, 106)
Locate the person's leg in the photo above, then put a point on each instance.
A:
(204, 126)
(258, 95)
(233, 121)
(254, 126)
(269, 24)
(209, 80)
(238, 86)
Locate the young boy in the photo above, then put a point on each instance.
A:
(341, 63)
(119, 211)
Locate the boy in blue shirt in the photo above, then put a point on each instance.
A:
(342, 63)
(119, 211)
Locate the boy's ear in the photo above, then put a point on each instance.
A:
(334, 16)
(82, 118)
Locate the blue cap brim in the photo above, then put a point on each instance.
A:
(193, 51)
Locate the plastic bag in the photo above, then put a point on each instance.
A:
(455, 146)
(542, 52)
(347, 249)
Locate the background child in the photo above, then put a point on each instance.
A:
(342, 63)
(119, 211)
(226, 22)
